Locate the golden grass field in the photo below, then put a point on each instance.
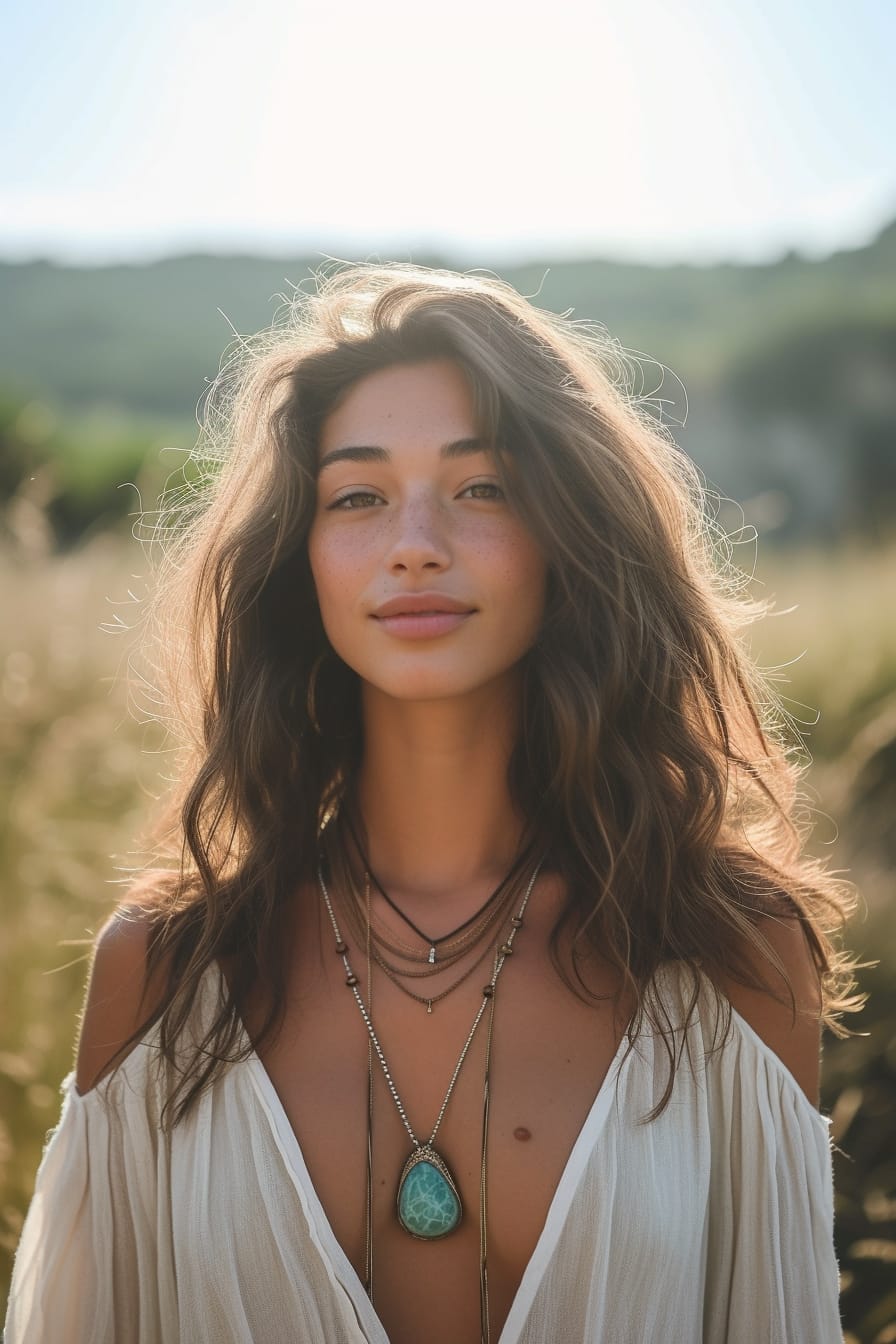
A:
(78, 776)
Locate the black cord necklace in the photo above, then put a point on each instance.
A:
(518, 863)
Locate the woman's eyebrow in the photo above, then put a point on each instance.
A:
(369, 453)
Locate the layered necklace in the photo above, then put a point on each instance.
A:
(400, 962)
(427, 1200)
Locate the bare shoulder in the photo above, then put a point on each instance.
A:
(794, 1038)
(116, 1004)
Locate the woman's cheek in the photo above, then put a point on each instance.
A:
(339, 564)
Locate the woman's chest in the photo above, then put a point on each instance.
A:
(549, 1056)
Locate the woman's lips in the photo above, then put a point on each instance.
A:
(422, 615)
(422, 624)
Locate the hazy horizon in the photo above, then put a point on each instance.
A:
(707, 134)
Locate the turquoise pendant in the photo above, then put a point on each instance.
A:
(428, 1202)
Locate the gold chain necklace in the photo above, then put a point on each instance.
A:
(362, 928)
(451, 953)
(446, 938)
(428, 1000)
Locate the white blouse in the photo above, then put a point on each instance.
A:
(713, 1223)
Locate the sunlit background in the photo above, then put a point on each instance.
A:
(692, 131)
(714, 183)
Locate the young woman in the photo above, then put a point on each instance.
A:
(484, 998)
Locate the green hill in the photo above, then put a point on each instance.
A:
(144, 337)
(789, 368)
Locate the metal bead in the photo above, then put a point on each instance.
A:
(506, 950)
(341, 948)
(351, 980)
(487, 991)
(516, 922)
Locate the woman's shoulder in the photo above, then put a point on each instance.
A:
(791, 1031)
(120, 997)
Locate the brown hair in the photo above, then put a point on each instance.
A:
(658, 752)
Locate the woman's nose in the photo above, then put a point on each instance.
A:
(420, 540)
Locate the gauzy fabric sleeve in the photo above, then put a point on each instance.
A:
(772, 1273)
(207, 1232)
(87, 1269)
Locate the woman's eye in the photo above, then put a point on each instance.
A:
(358, 499)
(484, 490)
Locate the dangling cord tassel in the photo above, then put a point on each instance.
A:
(368, 1237)
(484, 1328)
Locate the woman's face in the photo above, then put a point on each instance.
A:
(429, 584)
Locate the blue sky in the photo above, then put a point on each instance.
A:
(692, 130)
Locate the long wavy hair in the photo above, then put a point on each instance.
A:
(653, 760)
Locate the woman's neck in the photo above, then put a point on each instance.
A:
(433, 790)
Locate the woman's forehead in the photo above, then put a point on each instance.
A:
(426, 405)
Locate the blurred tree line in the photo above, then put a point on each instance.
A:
(789, 370)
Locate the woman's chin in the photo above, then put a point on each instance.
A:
(429, 685)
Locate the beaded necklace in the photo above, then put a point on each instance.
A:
(427, 1199)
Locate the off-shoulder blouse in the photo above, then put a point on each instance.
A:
(712, 1223)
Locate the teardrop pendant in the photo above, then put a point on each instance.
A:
(428, 1201)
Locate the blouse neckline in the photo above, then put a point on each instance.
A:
(335, 1258)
